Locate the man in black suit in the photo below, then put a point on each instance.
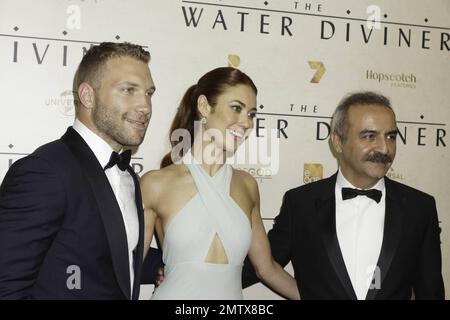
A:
(358, 234)
(71, 218)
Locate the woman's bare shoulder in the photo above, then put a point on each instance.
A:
(158, 180)
(244, 176)
(248, 181)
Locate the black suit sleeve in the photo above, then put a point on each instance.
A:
(280, 238)
(428, 281)
(152, 262)
(32, 201)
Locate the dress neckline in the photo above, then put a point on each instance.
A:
(190, 160)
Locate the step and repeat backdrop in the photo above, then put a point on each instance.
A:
(304, 56)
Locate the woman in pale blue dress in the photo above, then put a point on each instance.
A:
(205, 212)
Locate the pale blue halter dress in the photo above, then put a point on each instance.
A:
(189, 236)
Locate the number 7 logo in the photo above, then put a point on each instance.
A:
(317, 65)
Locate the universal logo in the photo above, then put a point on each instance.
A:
(392, 174)
(259, 173)
(397, 80)
(64, 103)
(312, 172)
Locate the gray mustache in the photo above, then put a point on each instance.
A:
(378, 157)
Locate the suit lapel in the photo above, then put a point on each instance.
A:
(326, 208)
(107, 205)
(391, 235)
(139, 254)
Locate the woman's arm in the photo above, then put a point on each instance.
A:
(267, 269)
(149, 200)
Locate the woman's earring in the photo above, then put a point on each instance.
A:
(203, 120)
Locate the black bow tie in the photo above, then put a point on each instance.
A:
(122, 160)
(349, 193)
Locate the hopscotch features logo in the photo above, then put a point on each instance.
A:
(312, 172)
(398, 80)
(320, 70)
(394, 175)
(64, 102)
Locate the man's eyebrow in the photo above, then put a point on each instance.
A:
(368, 131)
(365, 131)
(134, 84)
(129, 83)
(393, 132)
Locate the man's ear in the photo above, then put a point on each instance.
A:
(86, 95)
(203, 106)
(337, 142)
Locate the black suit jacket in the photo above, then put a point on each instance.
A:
(305, 233)
(58, 212)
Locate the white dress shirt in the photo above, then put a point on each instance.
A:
(122, 185)
(359, 227)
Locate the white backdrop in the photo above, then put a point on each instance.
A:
(303, 56)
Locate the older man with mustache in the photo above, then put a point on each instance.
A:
(358, 234)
